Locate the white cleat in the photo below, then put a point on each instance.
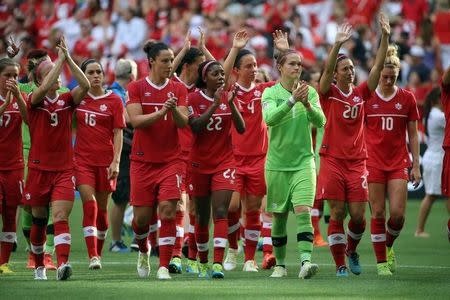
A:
(40, 273)
(95, 263)
(279, 272)
(64, 272)
(163, 274)
(250, 266)
(308, 270)
(143, 264)
(230, 261)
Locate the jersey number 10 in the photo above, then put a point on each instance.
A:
(387, 123)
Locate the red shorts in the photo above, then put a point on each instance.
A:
(250, 175)
(183, 176)
(445, 177)
(152, 182)
(203, 184)
(43, 187)
(342, 180)
(382, 176)
(11, 187)
(96, 177)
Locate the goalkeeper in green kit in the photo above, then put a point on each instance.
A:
(290, 109)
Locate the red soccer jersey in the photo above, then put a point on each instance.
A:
(254, 141)
(445, 99)
(386, 125)
(159, 142)
(212, 150)
(50, 125)
(97, 117)
(185, 134)
(11, 154)
(344, 131)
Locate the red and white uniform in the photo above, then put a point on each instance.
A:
(386, 125)
(212, 164)
(155, 155)
(445, 180)
(97, 117)
(11, 155)
(50, 163)
(250, 148)
(343, 173)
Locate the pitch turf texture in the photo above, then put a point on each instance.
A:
(423, 272)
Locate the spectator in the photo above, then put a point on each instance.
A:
(417, 65)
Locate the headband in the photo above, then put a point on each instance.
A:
(205, 67)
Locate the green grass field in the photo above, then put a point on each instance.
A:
(423, 273)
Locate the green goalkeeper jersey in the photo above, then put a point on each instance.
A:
(290, 141)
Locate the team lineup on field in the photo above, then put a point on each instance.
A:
(222, 144)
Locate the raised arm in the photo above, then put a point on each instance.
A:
(343, 34)
(239, 41)
(186, 46)
(202, 45)
(49, 80)
(374, 75)
(280, 41)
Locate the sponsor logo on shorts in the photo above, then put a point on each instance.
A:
(191, 187)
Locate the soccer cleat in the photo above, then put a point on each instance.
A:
(192, 267)
(64, 272)
(383, 269)
(135, 247)
(308, 270)
(319, 241)
(342, 272)
(353, 263)
(217, 271)
(4, 269)
(269, 261)
(163, 274)
(143, 264)
(48, 262)
(119, 247)
(278, 272)
(250, 266)
(95, 263)
(230, 261)
(31, 264)
(175, 265)
(40, 273)
(203, 271)
(391, 261)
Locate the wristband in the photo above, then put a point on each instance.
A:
(291, 102)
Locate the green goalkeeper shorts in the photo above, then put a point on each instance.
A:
(288, 189)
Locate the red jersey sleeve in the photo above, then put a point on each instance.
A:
(118, 115)
(192, 103)
(133, 93)
(364, 91)
(182, 95)
(413, 113)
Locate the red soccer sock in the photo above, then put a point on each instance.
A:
(8, 234)
(192, 243)
(167, 236)
(393, 230)
(266, 233)
(378, 237)
(252, 232)
(90, 226)
(354, 235)
(336, 240)
(220, 239)
(37, 240)
(202, 238)
(141, 234)
(153, 230)
(62, 241)
(102, 229)
(233, 228)
(179, 218)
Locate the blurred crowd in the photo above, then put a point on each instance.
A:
(111, 29)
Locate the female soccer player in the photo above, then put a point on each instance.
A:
(50, 179)
(290, 108)
(434, 120)
(249, 149)
(212, 169)
(100, 120)
(343, 173)
(390, 113)
(12, 112)
(157, 108)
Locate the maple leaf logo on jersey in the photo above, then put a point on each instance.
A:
(398, 106)
(15, 106)
(60, 102)
(223, 106)
(356, 99)
(103, 107)
(257, 93)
